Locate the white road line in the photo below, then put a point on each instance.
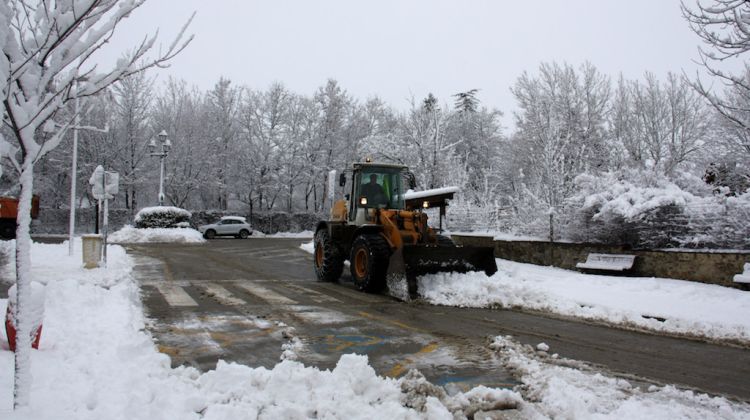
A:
(266, 294)
(175, 295)
(323, 316)
(253, 251)
(279, 253)
(315, 296)
(361, 296)
(221, 294)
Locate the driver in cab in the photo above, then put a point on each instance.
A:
(373, 192)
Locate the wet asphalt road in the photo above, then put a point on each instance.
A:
(242, 300)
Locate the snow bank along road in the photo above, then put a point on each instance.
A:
(242, 300)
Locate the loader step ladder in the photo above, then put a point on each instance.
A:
(744, 278)
(608, 262)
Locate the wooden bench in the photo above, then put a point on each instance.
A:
(608, 262)
(744, 277)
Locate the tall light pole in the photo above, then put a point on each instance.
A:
(166, 145)
(74, 167)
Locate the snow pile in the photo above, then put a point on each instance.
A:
(553, 390)
(308, 247)
(95, 361)
(129, 234)
(35, 313)
(664, 305)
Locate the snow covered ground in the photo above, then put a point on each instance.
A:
(664, 305)
(97, 361)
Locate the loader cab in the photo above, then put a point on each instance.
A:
(377, 186)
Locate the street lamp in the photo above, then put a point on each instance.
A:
(165, 146)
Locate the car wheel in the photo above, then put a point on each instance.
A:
(244, 234)
(210, 234)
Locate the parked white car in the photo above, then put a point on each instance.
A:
(228, 226)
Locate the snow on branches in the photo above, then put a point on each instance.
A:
(45, 63)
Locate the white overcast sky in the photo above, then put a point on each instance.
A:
(399, 48)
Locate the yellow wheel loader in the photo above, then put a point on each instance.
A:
(385, 242)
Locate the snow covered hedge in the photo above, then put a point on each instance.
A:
(655, 213)
(162, 217)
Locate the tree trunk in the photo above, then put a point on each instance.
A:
(22, 384)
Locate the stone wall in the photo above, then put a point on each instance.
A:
(717, 267)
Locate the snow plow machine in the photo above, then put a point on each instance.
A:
(387, 242)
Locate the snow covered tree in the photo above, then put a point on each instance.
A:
(181, 111)
(332, 103)
(423, 132)
(263, 117)
(477, 133)
(223, 107)
(133, 97)
(467, 102)
(665, 122)
(724, 28)
(46, 48)
(561, 124)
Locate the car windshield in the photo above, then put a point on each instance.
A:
(382, 187)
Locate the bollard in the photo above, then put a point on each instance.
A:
(92, 250)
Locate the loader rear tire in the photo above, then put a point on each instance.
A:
(369, 262)
(329, 264)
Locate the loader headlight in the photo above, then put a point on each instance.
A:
(363, 201)
(425, 204)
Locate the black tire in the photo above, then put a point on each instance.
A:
(369, 262)
(210, 234)
(244, 234)
(329, 264)
(445, 241)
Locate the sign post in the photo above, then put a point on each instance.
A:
(104, 185)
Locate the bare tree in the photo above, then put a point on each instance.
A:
(724, 28)
(561, 124)
(181, 111)
(223, 107)
(669, 123)
(133, 97)
(46, 47)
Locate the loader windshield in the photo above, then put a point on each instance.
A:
(382, 188)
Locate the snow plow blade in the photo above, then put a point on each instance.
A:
(413, 261)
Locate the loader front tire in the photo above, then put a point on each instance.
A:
(369, 262)
(329, 264)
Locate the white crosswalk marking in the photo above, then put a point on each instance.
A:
(360, 296)
(322, 316)
(279, 256)
(266, 294)
(175, 295)
(223, 295)
(315, 296)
